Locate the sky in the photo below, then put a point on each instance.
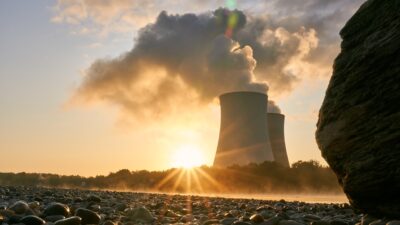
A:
(90, 87)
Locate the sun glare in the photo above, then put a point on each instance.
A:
(187, 157)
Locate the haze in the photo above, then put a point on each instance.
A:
(60, 115)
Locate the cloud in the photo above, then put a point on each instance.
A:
(105, 17)
(177, 55)
(193, 57)
(273, 108)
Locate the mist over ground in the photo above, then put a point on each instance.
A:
(265, 178)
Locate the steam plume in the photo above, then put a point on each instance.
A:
(272, 107)
(198, 55)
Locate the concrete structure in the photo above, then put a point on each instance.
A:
(243, 136)
(275, 125)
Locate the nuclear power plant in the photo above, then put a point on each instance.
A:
(248, 133)
(276, 131)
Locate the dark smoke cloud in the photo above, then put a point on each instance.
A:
(202, 56)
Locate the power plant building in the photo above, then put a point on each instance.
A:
(246, 133)
(276, 131)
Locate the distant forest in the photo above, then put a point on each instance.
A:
(267, 177)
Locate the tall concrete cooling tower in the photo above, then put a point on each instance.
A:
(243, 136)
(276, 132)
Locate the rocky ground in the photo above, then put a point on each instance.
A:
(38, 206)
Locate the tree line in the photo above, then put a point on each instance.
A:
(267, 177)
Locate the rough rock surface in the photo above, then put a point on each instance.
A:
(359, 123)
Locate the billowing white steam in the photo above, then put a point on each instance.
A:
(272, 107)
(205, 55)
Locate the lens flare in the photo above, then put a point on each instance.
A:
(232, 22)
(231, 4)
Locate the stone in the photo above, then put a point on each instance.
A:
(7, 213)
(93, 198)
(170, 213)
(267, 214)
(378, 222)
(56, 208)
(14, 219)
(108, 222)
(210, 222)
(311, 218)
(54, 218)
(358, 130)
(393, 222)
(289, 222)
(367, 219)
(245, 218)
(73, 220)
(320, 222)
(88, 216)
(95, 207)
(228, 221)
(187, 218)
(338, 222)
(241, 223)
(19, 207)
(32, 220)
(140, 214)
(272, 221)
(34, 205)
(78, 199)
(121, 207)
(228, 215)
(256, 218)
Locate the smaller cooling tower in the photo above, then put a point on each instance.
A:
(243, 136)
(276, 132)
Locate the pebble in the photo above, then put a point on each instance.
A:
(241, 223)
(272, 221)
(34, 205)
(54, 218)
(73, 220)
(32, 220)
(187, 218)
(210, 222)
(88, 216)
(129, 208)
(56, 208)
(367, 219)
(289, 222)
(140, 214)
(108, 222)
(320, 222)
(378, 222)
(311, 218)
(14, 219)
(93, 198)
(257, 218)
(121, 207)
(228, 221)
(19, 207)
(338, 222)
(170, 213)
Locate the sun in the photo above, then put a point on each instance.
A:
(187, 156)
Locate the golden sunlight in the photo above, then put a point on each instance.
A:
(187, 156)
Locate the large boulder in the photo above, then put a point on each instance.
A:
(359, 122)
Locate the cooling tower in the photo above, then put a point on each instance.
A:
(275, 125)
(243, 136)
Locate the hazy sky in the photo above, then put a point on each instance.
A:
(48, 49)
